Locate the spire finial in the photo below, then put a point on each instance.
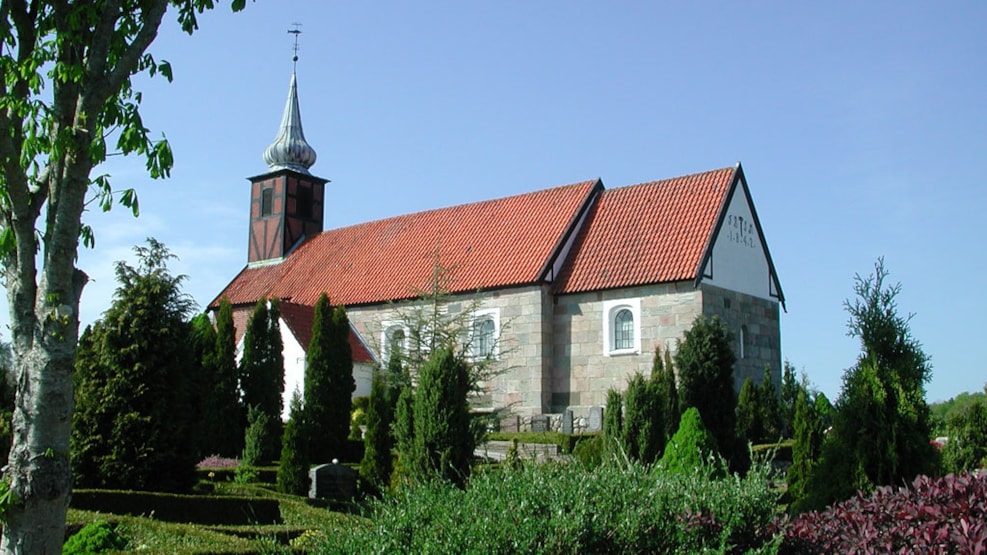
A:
(296, 31)
(289, 149)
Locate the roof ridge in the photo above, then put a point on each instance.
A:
(676, 178)
(466, 204)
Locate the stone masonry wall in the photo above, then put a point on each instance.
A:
(582, 374)
(762, 338)
(523, 356)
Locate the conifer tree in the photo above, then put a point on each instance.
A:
(809, 430)
(668, 394)
(705, 362)
(643, 428)
(770, 410)
(443, 439)
(404, 436)
(613, 421)
(134, 405)
(329, 382)
(692, 447)
(790, 390)
(750, 427)
(203, 347)
(228, 429)
(294, 464)
(378, 459)
(881, 425)
(262, 372)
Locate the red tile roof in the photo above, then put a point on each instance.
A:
(504, 242)
(300, 319)
(650, 233)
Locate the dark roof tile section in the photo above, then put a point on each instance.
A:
(300, 319)
(497, 243)
(649, 233)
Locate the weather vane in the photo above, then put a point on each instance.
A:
(296, 31)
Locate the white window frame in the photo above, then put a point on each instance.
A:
(492, 314)
(386, 330)
(610, 311)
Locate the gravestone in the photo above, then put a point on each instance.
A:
(567, 422)
(595, 419)
(510, 424)
(539, 424)
(332, 481)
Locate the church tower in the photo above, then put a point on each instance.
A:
(286, 203)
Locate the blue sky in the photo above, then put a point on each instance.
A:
(861, 126)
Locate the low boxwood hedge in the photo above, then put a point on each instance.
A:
(201, 509)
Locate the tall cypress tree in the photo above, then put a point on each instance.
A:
(329, 382)
(668, 394)
(442, 435)
(750, 427)
(378, 461)
(135, 405)
(262, 372)
(230, 424)
(294, 464)
(203, 346)
(808, 435)
(613, 421)
(705, 362)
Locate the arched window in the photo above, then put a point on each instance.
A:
(395, 341)
(623, 329)
(484, 336)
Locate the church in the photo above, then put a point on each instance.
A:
(571, 289)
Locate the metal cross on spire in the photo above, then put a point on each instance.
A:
(296, 31)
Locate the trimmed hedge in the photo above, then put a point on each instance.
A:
(566, 442)
(201, 509)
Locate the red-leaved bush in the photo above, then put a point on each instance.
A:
(933, 515)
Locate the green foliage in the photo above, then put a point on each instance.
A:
(294, 464)
(329, 382)
(613, 420)
(262, 372)
(943, 412)
(443, 440)
(881, 431)
(226, 431)
(705, 362)
(378, 461)
(136, 393)
(256, 438)
(758, 413)
(591, 452)
(563, 508)
(404, 436)
(97, 537)
(668, 394)
(790, 389)
(643, 430)
(691, 448)
(966, 448)
(810, 427)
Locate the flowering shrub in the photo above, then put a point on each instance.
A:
(933, 515)
(215, 461)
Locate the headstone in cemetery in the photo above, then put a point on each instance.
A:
(510, 423)
(332, 481)
(595, 419)
(539, 423)
(567, 422)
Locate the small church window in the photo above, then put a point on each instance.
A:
(304, 202)
(623, 330)
(266, 201)
(622, 327)
(483, 337)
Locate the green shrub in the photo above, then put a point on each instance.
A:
(590, 452)
(96, 537)
(691, 446)
(558, 508)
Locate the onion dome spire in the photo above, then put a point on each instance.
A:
(290, 150)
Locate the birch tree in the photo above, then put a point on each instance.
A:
(66, 102)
